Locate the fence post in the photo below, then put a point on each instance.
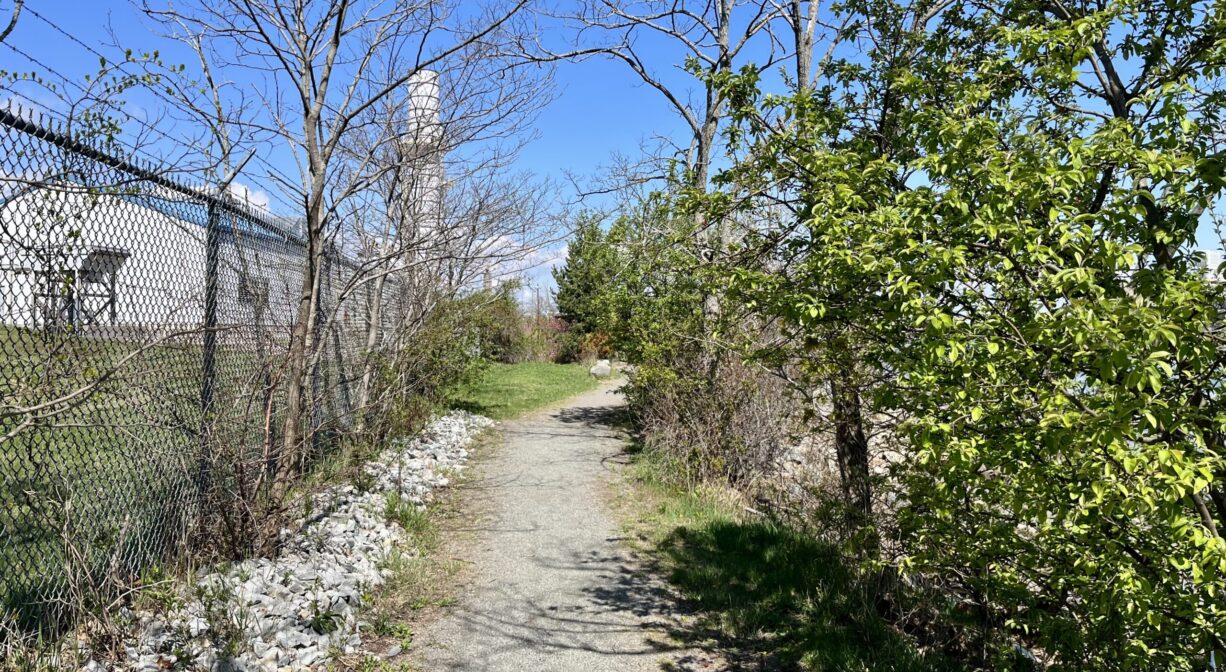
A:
(208, 364)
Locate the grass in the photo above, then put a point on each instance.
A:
(117, 469)
(123, 457)
(422, 576)
(509, 390)
(764, 594)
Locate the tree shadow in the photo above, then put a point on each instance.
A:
(469, 406)
(772, 595)
(612, 416)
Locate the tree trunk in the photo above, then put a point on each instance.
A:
(802, 34)
(301, 350)
(374, 331)
(850, 443)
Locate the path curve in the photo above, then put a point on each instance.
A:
(552, 587)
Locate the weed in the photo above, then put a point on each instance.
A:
(387, 626)
(364, 480)
(373, 664)
(413, 518)
(324, 621)
(21, 651)
(159, 591)
(416, 577)
(308, 507)
(227, 621)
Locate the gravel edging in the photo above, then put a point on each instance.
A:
(294, 611)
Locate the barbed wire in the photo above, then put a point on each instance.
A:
(273, 193)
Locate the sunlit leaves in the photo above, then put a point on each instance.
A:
(1019, 256)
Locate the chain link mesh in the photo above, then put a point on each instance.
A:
(143, 327)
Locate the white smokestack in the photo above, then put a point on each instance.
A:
(422, 150)
(424, 99)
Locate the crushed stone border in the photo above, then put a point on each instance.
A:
(292, 612)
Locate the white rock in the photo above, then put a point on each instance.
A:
(271, 656)
(310, 657)
(329, 559)
(197, 626)
(206, 660)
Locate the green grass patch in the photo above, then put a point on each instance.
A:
(423, 573)
(508, 390)
(118, 467)
(418, 578)
(414, 519)
(763, 591)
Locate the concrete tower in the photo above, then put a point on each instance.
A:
(422, 149)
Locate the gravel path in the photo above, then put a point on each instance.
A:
(552, 588)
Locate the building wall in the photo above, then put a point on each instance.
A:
(160, 285)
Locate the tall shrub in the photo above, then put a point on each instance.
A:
(1024, 280)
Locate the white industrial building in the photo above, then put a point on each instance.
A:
(116, 260)
(81, 260)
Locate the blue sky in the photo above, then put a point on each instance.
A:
(600, 108)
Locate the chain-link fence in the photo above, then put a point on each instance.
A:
(143, 328)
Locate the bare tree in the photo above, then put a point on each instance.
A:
(712, 37)
(320, 68)
(451, 132)
(13, 16)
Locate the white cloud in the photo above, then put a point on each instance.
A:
(24, 108)
(253, 197)
(550, 259)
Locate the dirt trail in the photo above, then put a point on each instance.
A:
(551, 587)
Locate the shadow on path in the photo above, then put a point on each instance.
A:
(605, 417)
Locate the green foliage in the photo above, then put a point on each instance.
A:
(412, 382)
(655, 313)
(764, 591)
(501, 325)
(95, 111)
(983, 225)
(450, 349)
(324, 620)
(649, 286)
(227, 619)
(1011, 239)
(158, 591)
(386, 627)
(634, 287)
(592, 265)
(413, 518)
(576, 346)
(511, 335)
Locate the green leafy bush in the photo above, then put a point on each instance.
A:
(1016, 256)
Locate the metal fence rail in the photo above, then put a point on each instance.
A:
(143, 327)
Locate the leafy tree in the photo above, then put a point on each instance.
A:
(1064, 387)
(1010, 247)
(584, 280)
